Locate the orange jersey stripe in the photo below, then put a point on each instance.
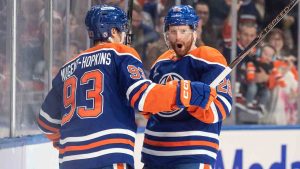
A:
(137, 94)
(221, 108)
(120, 166)
(181, 143)
(54, 137)
(55, 130)
(206, 166)
(96, 144)
(209, 54)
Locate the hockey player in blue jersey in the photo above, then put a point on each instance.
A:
(187, 138)
(89, 112)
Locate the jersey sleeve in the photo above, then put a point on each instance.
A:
(49, 118)
(143, 94)
(210, 68)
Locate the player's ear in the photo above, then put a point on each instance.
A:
(114, 32)
(114, 35)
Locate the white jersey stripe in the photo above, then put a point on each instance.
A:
(44, 131)
(49, 119)
(206, 61)
(133, 86)
(201, 166)
(159, 61)
(142, 101)
(179, 152)
(96, 135)
(96, 154)
(181, 134)
(215, 112)
(226, 102)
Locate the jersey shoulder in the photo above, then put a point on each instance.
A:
(118, 48)
(126, 50)
(165, 56)
(209, 54)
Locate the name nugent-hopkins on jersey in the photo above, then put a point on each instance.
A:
(86, 61)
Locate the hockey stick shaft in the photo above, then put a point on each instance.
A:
(258, 39)
(129, 16)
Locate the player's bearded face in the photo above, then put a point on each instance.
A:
(181, 39)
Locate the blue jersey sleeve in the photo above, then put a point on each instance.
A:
(49, 119)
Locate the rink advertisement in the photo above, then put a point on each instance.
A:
(259, 149)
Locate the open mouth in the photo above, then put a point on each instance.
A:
(179, 45)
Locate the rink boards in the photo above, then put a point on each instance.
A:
(259, 147)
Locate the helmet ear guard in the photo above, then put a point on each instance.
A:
(100, 19)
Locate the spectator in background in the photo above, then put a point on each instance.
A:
(258, 71)
(30, 42)
(284, 87)
(246, 33)
(75, 32)
(3, 18)
(284, 91)
(253, 11)
(219, 11)
(276, 39)
(208, 34)
(156, 48)
(30, 52)
(289, 23)
(150, 9)
(58, 40)
(4, 92)
(143, 34)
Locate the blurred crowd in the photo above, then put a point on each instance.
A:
(266, 81)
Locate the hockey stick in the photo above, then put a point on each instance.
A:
(129, 16)
(258, 39)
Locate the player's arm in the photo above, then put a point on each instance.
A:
(144, 95)
(219, 108)
(49, 119)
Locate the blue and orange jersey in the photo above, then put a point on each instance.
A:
(89, 112)
(189, 135)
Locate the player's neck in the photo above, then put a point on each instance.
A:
(100, 43)
(180, 56)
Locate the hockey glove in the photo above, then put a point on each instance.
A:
(194, 94)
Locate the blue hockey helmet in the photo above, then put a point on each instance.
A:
(100, 19)
(181, 15)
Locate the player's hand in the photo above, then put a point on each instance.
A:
(195, 94)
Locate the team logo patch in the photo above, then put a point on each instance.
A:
(169, 77)
(105, 34)
(176, 9)
(165, 79)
